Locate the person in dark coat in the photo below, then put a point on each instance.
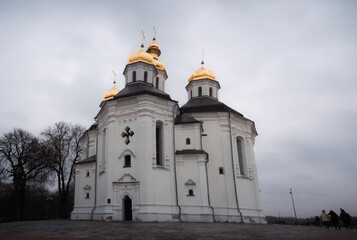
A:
(346, 218)
(334, 219)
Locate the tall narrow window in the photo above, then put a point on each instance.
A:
(210, 92)
(104, 149)
(190, 94)
(134, 76)
(145, 76)
(240, 155)
(188, 141)
(159, 143)
(199, 91)
(127, 161)
(157, 82)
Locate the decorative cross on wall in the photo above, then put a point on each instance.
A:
(126, 134)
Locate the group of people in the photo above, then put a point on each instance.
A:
(344, 216)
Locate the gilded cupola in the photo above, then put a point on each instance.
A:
(140, 56)
(202, 73)
(154, 50)
(112, 92)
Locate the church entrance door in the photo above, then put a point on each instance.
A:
(127, 208)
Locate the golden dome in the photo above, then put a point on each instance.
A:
(141, 56)
(111, 93)
(202, 73)
(160, 65)
(154, 50)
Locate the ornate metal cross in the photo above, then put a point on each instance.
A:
(154, 38)
(126, 134)
(115, 74)
(142, 41)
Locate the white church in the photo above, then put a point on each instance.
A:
(148, 159)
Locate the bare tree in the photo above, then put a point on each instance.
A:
(62, 150)
(20, 156)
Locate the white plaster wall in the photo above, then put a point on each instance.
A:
(154, 199)
(191, 131)
(83, 205)
(162, 78)
(217, 144)
(191, 168)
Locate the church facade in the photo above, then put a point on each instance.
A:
(148, 159)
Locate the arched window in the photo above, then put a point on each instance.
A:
(210, 92)
(190, 94)
(221, 171)
(87, 174)
(190, 193)
(159, 143)
(87, 195)
(199, 91)
(145, 76)
(134, 76)
(127, 161)
(240, 155)
(188, 141)
(157, 82)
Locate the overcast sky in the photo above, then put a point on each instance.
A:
(290, 66)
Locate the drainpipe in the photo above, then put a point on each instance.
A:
(174, 151)
(208, 195)
(96, 169)
(234, 178)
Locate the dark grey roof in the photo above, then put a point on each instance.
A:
(140, 88)
(88, 160)
(185, 118)
(206, 104)
(191, 151)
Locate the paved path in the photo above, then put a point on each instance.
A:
(65, 230)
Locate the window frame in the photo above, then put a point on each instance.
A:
(159, 143)
(240, 156)
(134, 76)
(145, 76)
(200, 91)
(127, 161)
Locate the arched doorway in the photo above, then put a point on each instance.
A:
(127, 208)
